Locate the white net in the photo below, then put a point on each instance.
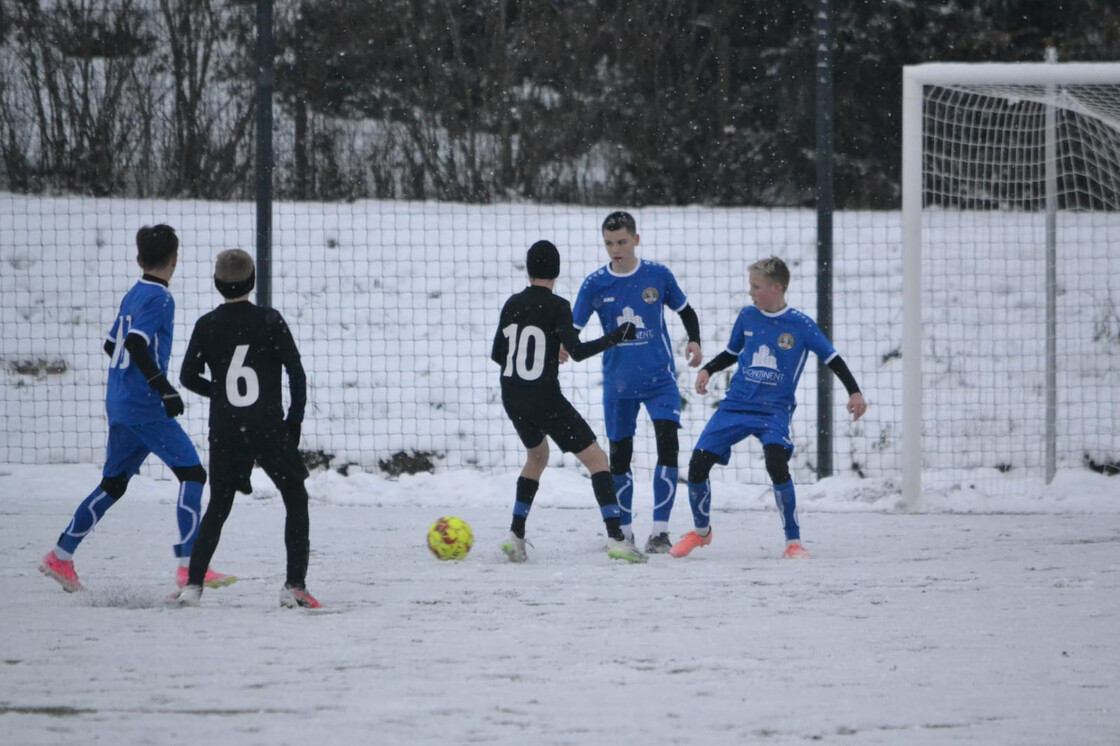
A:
(998, 229)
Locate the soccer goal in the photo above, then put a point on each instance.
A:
(1011, 274)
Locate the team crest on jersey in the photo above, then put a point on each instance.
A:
(650, 295)
(629, 315)
(785, 341)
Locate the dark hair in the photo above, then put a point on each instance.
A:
(542, 262)
(620, 219)
(156, 245)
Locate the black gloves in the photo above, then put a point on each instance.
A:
(629, 331)
(172, 402)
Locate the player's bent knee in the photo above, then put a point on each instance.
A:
(777, 462)
(190, 473)
(700, 465)
(115, 486)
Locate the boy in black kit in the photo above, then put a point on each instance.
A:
(246, 347)
(534, 323)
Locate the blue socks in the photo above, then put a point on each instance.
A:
(624, 491)
(786, 500)
(91, 510)
(189, 512)
(664, 492)
(700, 500)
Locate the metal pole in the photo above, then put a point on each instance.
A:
(1051, 277)
(912, 104)
(824, 228)
(264, 153)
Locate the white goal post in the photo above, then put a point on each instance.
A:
(1010, 193)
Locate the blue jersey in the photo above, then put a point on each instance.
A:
(642, 366)
(772, 349)
(148, 310)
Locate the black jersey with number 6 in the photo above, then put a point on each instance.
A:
(246, 348)
(533, 325)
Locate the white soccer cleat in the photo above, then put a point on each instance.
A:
(187, 596)
(514, 548)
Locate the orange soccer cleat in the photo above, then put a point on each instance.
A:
(690, 541)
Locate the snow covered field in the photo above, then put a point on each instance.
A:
(990, 617)
(940, 628)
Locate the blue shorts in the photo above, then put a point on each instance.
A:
(129, 445)
(726, 428)
(622, 414)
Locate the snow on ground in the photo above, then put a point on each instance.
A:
(954, 626)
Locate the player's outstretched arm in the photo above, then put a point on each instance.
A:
(583, 350)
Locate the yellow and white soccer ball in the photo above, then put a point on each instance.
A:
(450, 538)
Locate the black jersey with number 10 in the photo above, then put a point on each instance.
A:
(533, 325)
(246, 348)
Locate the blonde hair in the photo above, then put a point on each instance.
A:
(233, 265)
(773, 269)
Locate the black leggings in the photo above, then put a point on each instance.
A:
(777, 464)
(668, 446)
(297, 528)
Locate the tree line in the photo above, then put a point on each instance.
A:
(579, 101)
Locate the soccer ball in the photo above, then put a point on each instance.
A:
(450, 538)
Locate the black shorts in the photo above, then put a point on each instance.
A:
(535, 415)
(233, 453)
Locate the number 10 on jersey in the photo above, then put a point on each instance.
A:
(517, 354)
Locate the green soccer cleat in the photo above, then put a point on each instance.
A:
(620, 549)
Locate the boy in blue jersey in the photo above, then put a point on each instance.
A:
(141, 405)
(770, 342)
(639, 371)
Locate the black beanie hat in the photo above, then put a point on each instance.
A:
(543, 261)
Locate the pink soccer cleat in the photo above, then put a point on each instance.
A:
(794, 550)
(690, 541)
(212, 579)
(61, 571)
(291, 597)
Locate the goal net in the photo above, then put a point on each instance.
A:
(1011, 275)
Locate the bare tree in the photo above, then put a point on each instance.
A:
(213, 105)
(67, 84)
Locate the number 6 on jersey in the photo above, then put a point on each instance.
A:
(238, 372)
